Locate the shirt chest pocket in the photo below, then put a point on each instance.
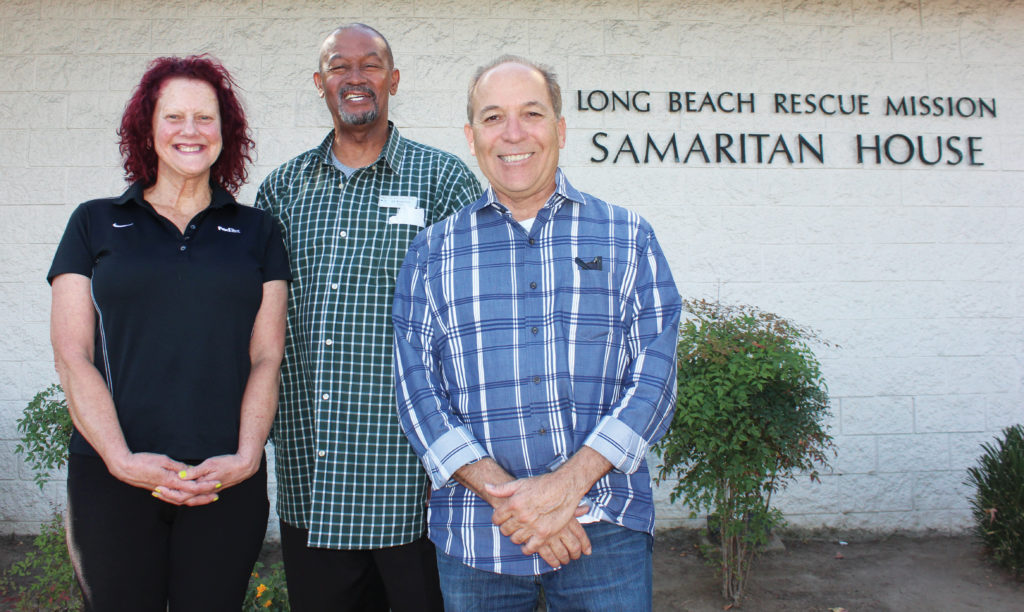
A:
(390, 246)
(588, 302)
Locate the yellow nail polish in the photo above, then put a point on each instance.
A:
(183, 474)
(216, 486)
(156, 493)
(216, 497)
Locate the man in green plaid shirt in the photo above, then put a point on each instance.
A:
(351, 492)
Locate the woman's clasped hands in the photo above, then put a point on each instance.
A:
(178, 483)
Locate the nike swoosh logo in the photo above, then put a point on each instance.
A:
(119, 226)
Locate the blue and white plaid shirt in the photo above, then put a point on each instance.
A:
(523, 347)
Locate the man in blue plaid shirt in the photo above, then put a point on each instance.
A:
(351, 492)
(535, 336)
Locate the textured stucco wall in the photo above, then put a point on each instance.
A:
(915, 270)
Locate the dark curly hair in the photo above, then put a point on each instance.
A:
(136, 131)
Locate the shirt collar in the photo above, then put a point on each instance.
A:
(564, 192)
(391, 155)
(136, 193)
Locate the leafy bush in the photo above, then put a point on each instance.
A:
(269, 591)
(45, 579)
(45, 429)
(998, 504)
(749, 417)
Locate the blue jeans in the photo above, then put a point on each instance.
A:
(617, 576)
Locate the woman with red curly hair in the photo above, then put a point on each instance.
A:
(167, 324)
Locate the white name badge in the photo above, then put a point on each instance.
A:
(408, 216)
(399, 202)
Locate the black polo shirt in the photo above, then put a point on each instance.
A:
(175, 314)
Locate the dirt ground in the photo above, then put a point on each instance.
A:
(818, 573)
(815, 573)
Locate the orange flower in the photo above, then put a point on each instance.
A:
(260, 589)
(269, 601)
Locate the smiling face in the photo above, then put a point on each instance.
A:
(515, 136)
(356, 77)
(186, 129)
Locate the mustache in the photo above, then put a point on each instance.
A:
(356, 89)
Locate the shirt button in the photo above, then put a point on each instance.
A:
(334, 286)
(326, 396)
(543, 431)
(343, 234)
(531, 240)
(533, 329)
(536, 379)
(321, 454)
(182, 248)
(533, 285)
(193, 226)
(328, 342)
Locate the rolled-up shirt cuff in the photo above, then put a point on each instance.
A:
(619, 444)
(450, 452)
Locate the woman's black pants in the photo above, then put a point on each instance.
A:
(132, 551)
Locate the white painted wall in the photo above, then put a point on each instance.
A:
(915, 271)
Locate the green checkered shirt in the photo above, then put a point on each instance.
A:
(345, 471)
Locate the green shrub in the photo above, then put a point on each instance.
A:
(44, 579)
(45, 429)
(749, 417)
(998, 503)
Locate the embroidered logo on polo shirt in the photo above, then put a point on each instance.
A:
(230, 230)
(123, 225)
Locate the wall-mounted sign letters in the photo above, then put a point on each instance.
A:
(893, 148)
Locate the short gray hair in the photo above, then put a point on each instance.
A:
(550, 80)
